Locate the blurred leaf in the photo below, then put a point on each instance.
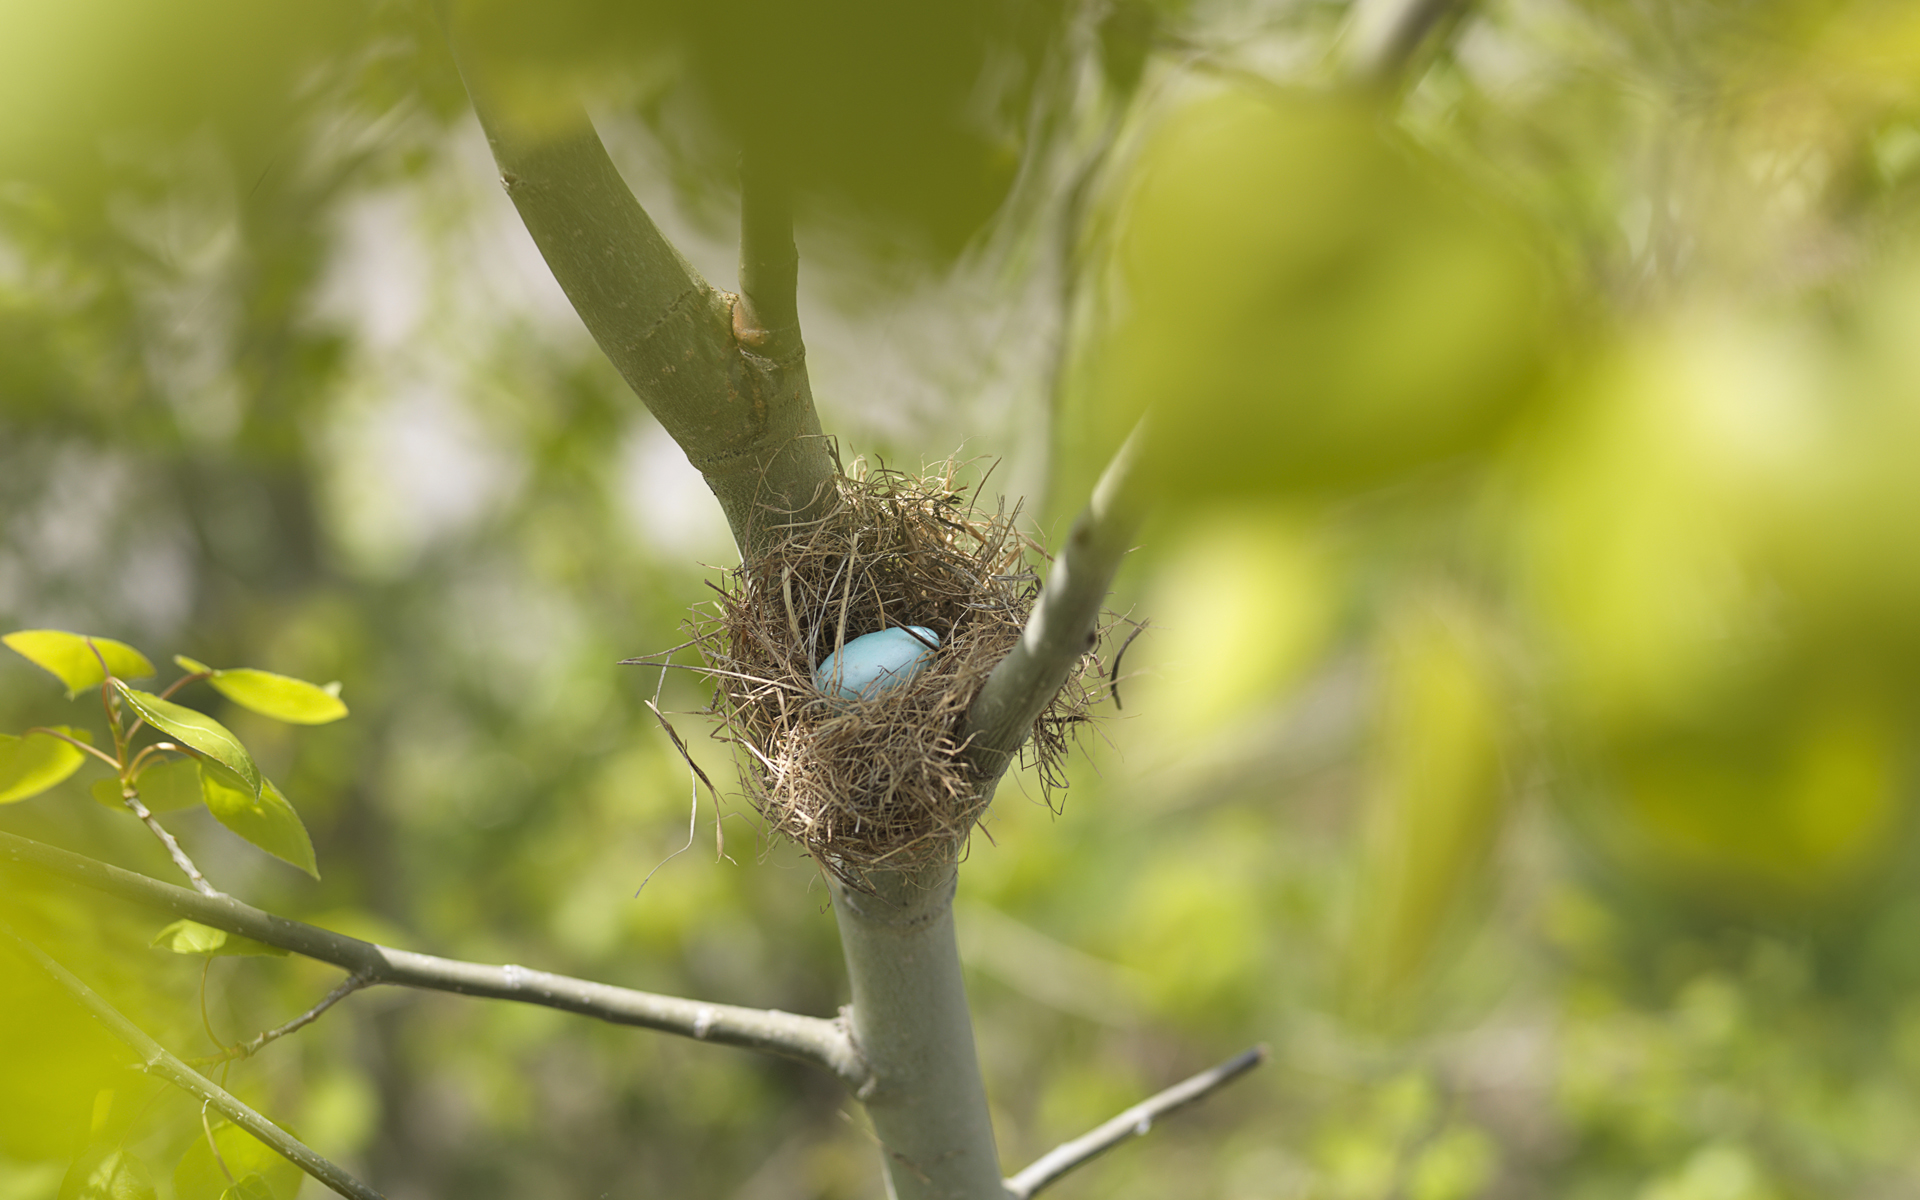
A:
(191, 937)
(107, 1173)
(191, 666)
(30, 765)
(198, 1176)
(1307, 304)
(265, 818)
(171, 786)
(279, 696)
(1436, 799)
(198, 731)
(249, 1187)
(168, 786)
(71, 657)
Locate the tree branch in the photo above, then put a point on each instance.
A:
(155, 1060)
(1383, 37)
(260, 1041)
(824, 1043)
(132, 800)
(1062, 625)
(1134, 1122)
(745, 420)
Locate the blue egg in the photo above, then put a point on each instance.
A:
(879, 662)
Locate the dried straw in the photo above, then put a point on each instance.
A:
(879, 784)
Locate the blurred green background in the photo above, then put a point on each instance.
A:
(1522, 743)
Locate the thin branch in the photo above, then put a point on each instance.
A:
(767, 319)
(815, 1040)
(77, 744)
(155, 1060)
(1062, 626)
(131, 799)
(259, 1042)
(1383, 37)
(1134, 1122)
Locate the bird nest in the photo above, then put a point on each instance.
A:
(883, 783)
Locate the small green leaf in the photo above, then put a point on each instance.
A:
(197, 730)
(171, 786)
(191, 937)
(30, 765)
(281, 697)
(250, 1187)
(191, 666)
(107, 1173)
(266, 819)
(69, 658)
(164, 787)
(199, 1177)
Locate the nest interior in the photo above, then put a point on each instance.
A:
(879, 784)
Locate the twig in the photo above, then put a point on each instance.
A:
(155, 1060)
(1134, 1122)
(1383, 36)
(259, 1042)
(1062, 625)
(132, 800)
(824, 1043)
(1113, 672)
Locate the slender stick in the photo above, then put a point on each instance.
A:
(822, 1042)
(1134, 1122)
(1061, 627)
(1383, 36)
(259, 1042)
(179, 856)
(155, 1060)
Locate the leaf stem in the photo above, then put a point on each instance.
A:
(76, 743)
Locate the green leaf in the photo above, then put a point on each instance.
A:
(197, 730)
(107, 1173)
(198, 1176)
(191, 937)
(266, 819)
(191, 666)
(249, 1187)
(281, 697)
(164, 787)
(171, 786)
(30, 765)
(69, 658)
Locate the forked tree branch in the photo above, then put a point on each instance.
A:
(745, 419)
(822, 1042)
(155, 1060)
(1062, 626)
(1134, 1122)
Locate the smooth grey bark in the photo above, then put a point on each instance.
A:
(912, 1028)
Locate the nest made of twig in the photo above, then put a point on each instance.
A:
(880, 784)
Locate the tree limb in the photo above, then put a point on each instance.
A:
(155, 1060)
(1134, 1122)
(824, 1043)
(744, 419)
(1383, 36)
(1062, 625)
